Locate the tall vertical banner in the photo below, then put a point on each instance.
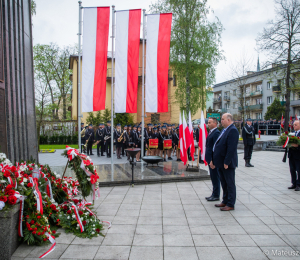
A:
(157, 62)
(202, 138)
(128, 24)
(94, 58)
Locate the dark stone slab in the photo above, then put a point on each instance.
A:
(9, 232)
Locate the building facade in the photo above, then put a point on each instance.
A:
(18, 133)
(251, 95)
(172, 116)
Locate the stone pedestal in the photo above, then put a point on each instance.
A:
(9, 232)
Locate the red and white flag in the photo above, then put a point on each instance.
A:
(202, 137)
(94, 58)
(183, 155)
(128, 25)
(192, 144)
(157, 62)
(281, 123)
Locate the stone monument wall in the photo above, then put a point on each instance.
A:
(18, 138)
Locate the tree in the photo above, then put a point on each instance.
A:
(106, 115)
(275, 110)
(211, 110)
(123, 119)
(95, 120)
(52, 65)
(281, 40)
(195, 49)
(33, 7)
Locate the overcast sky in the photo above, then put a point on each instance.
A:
(57, 21)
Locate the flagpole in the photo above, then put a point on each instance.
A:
(143, 85)
(112, 90)
(79, 77)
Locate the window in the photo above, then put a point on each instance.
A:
(258, 115)
(258, 101)
(269, 100)
(258, 88)
(227, 105)
(234, 92)
(234, 105)
(268, 85)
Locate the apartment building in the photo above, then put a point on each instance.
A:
(253, 93)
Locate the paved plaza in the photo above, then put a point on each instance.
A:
(173, 221)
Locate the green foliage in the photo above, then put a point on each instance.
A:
(33, 7)
(106, 115)
(95, 120)
(195, 49)
(275, 110)
(123, 119)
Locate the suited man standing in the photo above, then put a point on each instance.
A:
(90, 139)
(249, 140)
(225, 160)
(294, 160)
(214, 174)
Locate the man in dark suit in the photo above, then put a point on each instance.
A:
(90, 139)
(225, 160)
(294, 160)
(100, 139)
(249, 140)
(107, 139)
(214, 174)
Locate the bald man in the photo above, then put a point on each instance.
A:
(294, 160)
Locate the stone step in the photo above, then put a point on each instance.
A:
(275, 150)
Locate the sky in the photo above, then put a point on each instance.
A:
(57, 21)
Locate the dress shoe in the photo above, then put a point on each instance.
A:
(251, 165)
(91, 154)
(165, 160)
(208, 197)
(170, 158)
(292, 187)
(297, 188)
(213, 198)
(98, 155)
(226, 208)
(247, 163)
(221, 205)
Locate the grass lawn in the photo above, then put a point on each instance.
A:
(57, 146)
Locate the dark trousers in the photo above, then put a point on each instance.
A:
(100, 144)
(295, 171)
(215, 179)
(227, 178)
(108, 148)
(89, 148)
(248, 152)
(82, 144)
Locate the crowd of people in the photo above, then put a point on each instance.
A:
(131, 137)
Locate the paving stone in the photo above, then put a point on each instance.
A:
(180, 253)
(247, 253)
(113, 252)
(122, 229)
(80, 252)
(204, 230)
(118, 240)
(149, 229)
(146, 253)
(258, 229)
(231, 230)
(56, 254)
(238, 240)
(208, 240)
(216, 253)
(147, 240)
(178, 240)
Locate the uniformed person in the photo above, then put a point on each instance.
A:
(90, 139)
(82, 134)
(119, 139)
(100, 139)
(176, 142)
(137, 141)
(107, 140)
(126, 140)
(248, 134)
(170, 136)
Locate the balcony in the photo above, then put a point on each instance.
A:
(226, 98)
(256, 93)
(295, 103)
(253, 107)
(218, 100)
(224, 110)
(276, 89)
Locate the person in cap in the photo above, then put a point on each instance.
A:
(125, 144)
(149, 134)
(82, 134)
(100, 139)
(163, 135)
(90, 139)
(249, 140)
(119, 139)
(107, 140)
(137, 142)
(170, 137)
(176, 142)
(155, 135)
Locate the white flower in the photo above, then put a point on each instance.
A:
(25, 179)
(2, 181)
(89, 179)
(93, 233)
(22, 183)
(73, 216)
(68, 217)
(77, 225)
(2, 204)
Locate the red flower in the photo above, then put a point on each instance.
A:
(32, 222)
(11, 192)
(13, 168)
(3, 198)
(84, 222)
(30, 169)
(45, 239)
(39, 233)
(6, 174)
(65, 208)
(38, 217)
(8, 187)
(86, 162)
(25, 175)
(12, 200)
(29, 185)
(286, 132)
(34, 232)
(27, 216)
(76, 201)
(69, 212)
(91, 214)
(80, 212)
(53, 232)
(53, 207)
(97, 230)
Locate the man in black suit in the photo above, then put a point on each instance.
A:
(100, 139)
(214, 174)
(90, 139)
(107, 139)
(249, 140)
(225, 160)
(294, 160)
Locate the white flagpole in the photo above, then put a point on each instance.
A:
(79, 77)
(143, 85)
(112, 89)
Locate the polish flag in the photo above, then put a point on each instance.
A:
(191, 132)
(94, 58)
(282, 125)
(183, 155)
(128, 25)
(157, 62)
(202, 137)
